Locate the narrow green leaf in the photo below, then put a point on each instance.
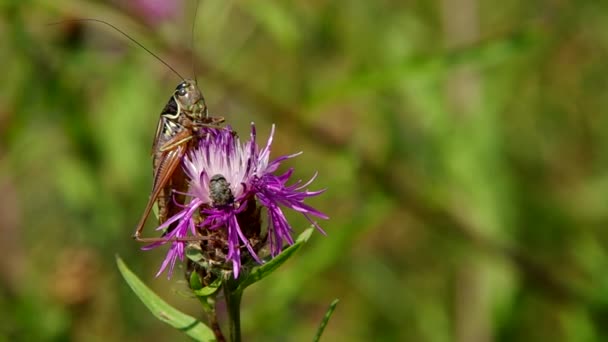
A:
(208, 290)
(162, 310)
(328, 314)
(195, 281)
(260, 272)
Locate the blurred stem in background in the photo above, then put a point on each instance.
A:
(472, 307)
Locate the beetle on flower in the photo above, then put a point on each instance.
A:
(230, 182)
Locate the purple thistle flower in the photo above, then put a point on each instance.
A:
(154, 11)
(227, 178)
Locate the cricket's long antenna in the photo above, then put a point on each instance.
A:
(192, 42)
(124, 34)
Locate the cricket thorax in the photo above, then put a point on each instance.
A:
(171, 128)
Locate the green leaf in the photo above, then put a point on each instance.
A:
(208, 290)
(194, 253)
(260, 272)
(195, 281)
(328, 314)
(162, 310)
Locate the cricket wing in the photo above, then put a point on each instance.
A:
(167, 165)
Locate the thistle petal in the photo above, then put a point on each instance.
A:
(250, 174)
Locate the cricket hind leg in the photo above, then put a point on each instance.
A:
(210, 122)
(171, 144)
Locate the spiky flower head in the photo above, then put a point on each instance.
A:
(230, 182)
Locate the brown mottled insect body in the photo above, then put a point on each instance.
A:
(178, 131)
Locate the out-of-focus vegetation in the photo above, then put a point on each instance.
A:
(462, 144)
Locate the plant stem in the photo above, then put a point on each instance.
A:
(215, 326)
(209, 308)
(233, 304)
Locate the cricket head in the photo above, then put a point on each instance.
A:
(190, 100)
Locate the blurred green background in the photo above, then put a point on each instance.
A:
(461, 143)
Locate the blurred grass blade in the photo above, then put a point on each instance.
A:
(328, 314)
(162, 310)
(266, 269)
(480, 55)
(276, 20)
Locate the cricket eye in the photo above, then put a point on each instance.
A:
(182, 88)
(181, 92)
